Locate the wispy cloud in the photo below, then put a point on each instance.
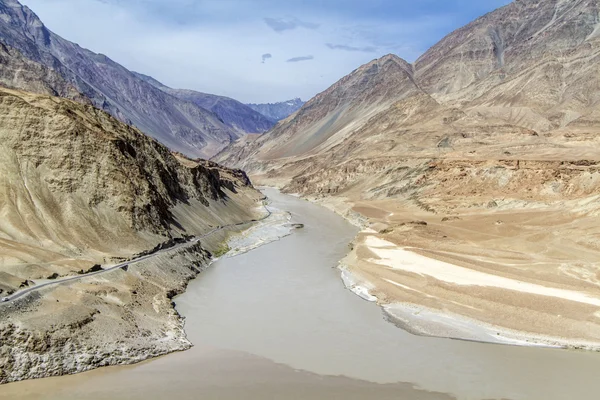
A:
(284, 24)
(302, 58)
(266, 56)
(344, 47)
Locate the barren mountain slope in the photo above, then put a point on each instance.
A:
(483, 158)
(18, 72)
(532, 63)
(239, 117)
(507, 41)
(181, 125)
(80, 188)
(77, 184)
(331, 116)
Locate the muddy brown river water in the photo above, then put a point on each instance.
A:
(277, 323)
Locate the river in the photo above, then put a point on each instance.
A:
(277, 322)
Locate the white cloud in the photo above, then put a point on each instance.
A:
(284, 24)
(345, 47)
(301, 58)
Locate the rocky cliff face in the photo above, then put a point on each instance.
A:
(239, 117)
(80, 188)
(179, 124)
(77, 182)
(278, 111)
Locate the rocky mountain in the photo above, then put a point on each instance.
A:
(331, 116)
(518, 82)
(17, 71)
(78, 181)
(278, 111)
(239, 117)
(455, 156)
(532, 63)
(81, 191)
(179, 124)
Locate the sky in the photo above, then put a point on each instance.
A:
(255, 51)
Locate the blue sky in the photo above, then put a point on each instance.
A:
(255, 50)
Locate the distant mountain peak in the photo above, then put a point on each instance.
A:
(393, 58)
(280, 110)
(232, 113)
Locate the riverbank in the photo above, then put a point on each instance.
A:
(276, 322)
(484, 276)
(434, 296)
(123, 316)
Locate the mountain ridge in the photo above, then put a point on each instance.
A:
(182, 125)
(238, 116)
(478, 66)
(82, 191)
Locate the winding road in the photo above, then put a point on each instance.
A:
(194, 240)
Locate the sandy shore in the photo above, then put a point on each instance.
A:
(368, 269)
(459, 278)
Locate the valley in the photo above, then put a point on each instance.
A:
(123, 194)
(421, 229)
(305, 336)
(463, 162)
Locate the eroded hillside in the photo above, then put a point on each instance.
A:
(81, 191)
(78, 180)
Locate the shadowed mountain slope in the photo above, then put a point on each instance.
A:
(77, 183)
(179, 124)
(239, 117)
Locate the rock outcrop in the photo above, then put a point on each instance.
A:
(80, 189)
(122, 318)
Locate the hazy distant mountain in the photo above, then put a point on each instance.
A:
(181, 125)
(233, 113)
(278, 111)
